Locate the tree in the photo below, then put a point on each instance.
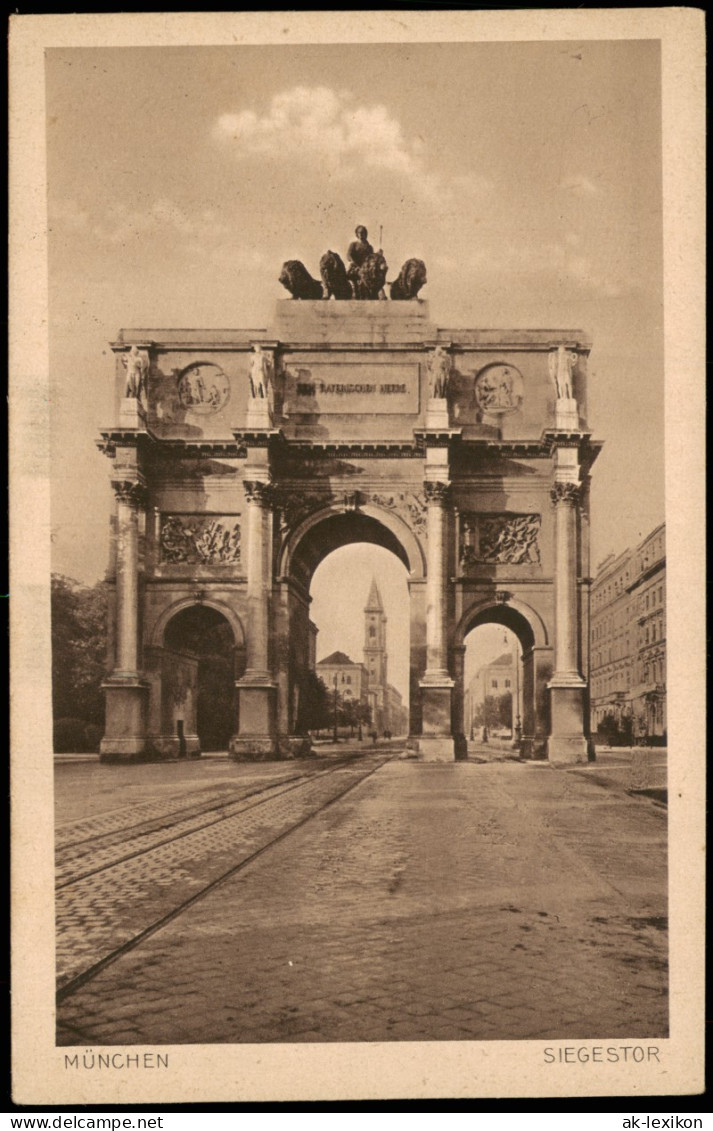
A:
(494, 711)
(316, 705)
(79, 635)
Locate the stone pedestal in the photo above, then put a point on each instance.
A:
(566, 414)
(256, 740)
(567, 743)
(131, 413)
(126, 713)
(436, 743)
(258, 415)
(437, 413)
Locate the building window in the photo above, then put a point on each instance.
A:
(507, 682)
(494, 683)
(349, 679)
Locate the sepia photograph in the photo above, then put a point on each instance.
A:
(359, 718)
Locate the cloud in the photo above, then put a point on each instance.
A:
(201, 234)
(580, 185)
(320, 125)
(556, 261)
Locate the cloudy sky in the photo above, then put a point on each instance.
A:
(526, 175)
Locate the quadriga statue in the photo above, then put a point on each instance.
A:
(412, 277)
(334, 276)
(370, 277)
(295, 277)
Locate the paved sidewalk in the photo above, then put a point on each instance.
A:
(453, 902)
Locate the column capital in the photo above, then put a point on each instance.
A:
(568, 493)
(436, 491)
(130, 491)
(258, 491)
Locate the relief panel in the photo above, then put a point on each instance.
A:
(495, 539)
(199, 539)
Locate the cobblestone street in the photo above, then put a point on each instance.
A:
(411, 901)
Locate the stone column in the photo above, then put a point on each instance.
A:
(125, 691)
(436, 742)
(256, 737)
(259, 579)
(436, 596)
(567, 742)
(129, 497)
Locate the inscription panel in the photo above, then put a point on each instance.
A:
(342, 388)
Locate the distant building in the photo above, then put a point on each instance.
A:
(376, 658)
(628, 639)
(493, 679)
(351, 681)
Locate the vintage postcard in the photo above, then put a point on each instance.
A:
(357, 555)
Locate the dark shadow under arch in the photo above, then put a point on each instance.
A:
(339, 530)
(205, 634)
(508, 617)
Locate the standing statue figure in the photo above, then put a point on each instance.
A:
(137, 371)
(439, 370)
(260, 375)
(561, 363)
(358, 252)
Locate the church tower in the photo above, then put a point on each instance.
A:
(375, 657)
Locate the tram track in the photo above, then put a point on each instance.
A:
(110, 909)
(222, 811)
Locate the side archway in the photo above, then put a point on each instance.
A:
(196, 656)
(520, 618)
(157, 632)
(533, 675)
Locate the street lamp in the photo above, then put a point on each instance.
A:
(336, 736)
(516, 722)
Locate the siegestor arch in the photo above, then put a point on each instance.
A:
(519, 617)
(331, 527)
(166, 616)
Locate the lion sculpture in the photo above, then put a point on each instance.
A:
(334, 276)
(370, 277)
(411, 278)
(295, 277)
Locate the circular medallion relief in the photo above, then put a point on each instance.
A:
(499, 389)
(203, 387)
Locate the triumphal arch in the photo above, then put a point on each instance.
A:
(241, 458)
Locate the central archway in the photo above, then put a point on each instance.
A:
(302, 553)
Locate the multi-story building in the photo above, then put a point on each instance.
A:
(491, 680)
(628, 640)
(350, 678)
